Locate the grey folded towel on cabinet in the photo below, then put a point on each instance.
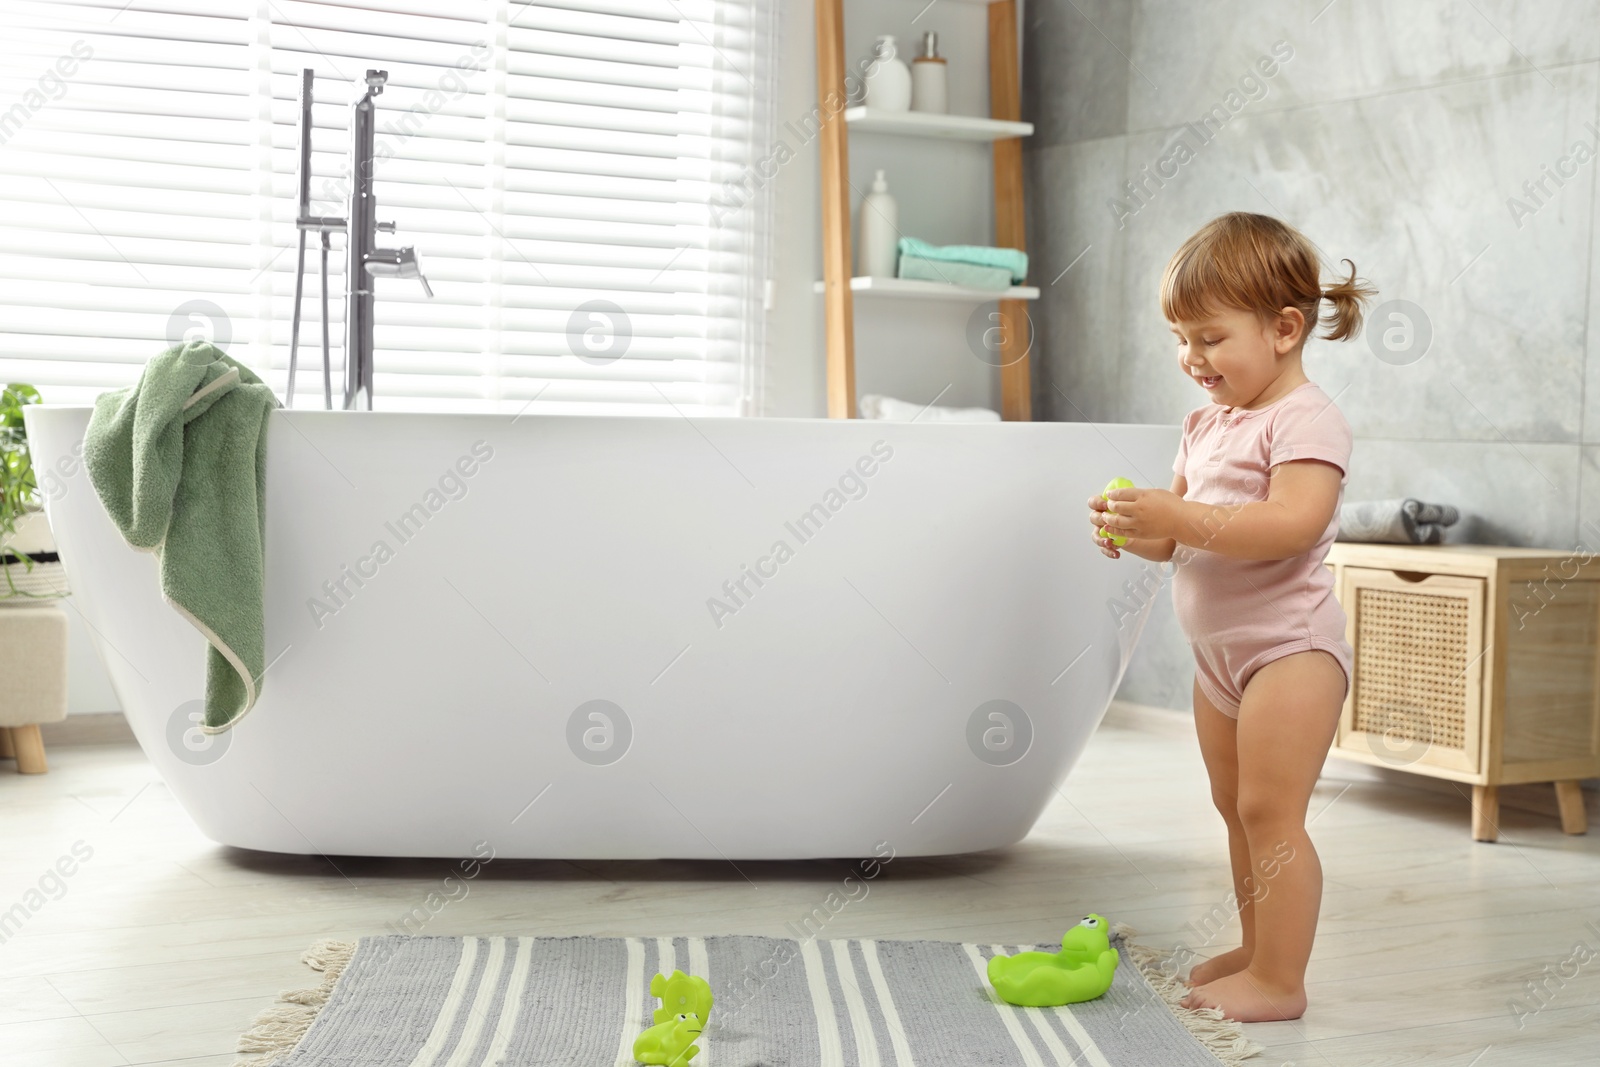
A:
(1400, 522)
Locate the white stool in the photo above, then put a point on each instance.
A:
(33, 679)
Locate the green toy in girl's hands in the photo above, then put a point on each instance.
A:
(1115, 483)
(1081, 971)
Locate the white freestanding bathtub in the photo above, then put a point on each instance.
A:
(584, 637)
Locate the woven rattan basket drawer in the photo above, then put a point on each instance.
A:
(1479, 664)
(1416, 693)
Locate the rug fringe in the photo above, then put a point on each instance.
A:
(1222, 1037)
(279, 1028)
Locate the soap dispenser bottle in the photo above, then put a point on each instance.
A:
(889, 80)
(877, 247)
(928, 80)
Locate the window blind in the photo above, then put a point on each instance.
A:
(563, 168)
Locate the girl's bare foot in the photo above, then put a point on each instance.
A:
(1245, 997)
(1230, 962)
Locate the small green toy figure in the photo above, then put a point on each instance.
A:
(685, 1007)
(681, 993)
(1081, 971)
(1115, 483)
(670, 1043)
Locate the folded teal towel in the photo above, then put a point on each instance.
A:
(1010, 259)
(179, 461)
(953, 273)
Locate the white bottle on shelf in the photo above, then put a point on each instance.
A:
(889, 80)
(928, 77)
(878, 245)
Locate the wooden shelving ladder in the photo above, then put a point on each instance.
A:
(1005, 102)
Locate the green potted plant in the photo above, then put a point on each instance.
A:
(28, 560)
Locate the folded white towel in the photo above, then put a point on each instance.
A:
(1399, 521)
(887, 408)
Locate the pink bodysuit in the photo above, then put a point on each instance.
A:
(1241, 614)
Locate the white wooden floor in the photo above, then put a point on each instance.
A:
(162, 947)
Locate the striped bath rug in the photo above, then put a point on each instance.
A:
(398, 1001)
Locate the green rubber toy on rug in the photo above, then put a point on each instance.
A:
(1115, 483)
(685, 1007)
(681, 993)
(670, 1044)
(1081, 971)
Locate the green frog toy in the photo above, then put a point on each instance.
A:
(1081, 971)
(685, 1007)
(670, 1043)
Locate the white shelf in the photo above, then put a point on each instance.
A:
(916, 289)
(927, 124)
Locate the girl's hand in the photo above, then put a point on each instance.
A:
(1097, 507)
(1152, 514)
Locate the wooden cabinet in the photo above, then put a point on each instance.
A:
(1475, 663)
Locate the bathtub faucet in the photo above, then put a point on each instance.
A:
(363, 258)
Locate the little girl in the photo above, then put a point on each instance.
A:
(1248, 520)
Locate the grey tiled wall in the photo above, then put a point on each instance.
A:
(1447, 147)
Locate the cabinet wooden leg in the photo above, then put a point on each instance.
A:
(1569, 798)
(6, 751)
(29, 747)
(1485, 813)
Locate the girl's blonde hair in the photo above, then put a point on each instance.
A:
(1261, 264)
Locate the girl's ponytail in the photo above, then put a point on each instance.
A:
(1349, 298)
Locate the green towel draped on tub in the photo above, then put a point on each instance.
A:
(179, 462)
